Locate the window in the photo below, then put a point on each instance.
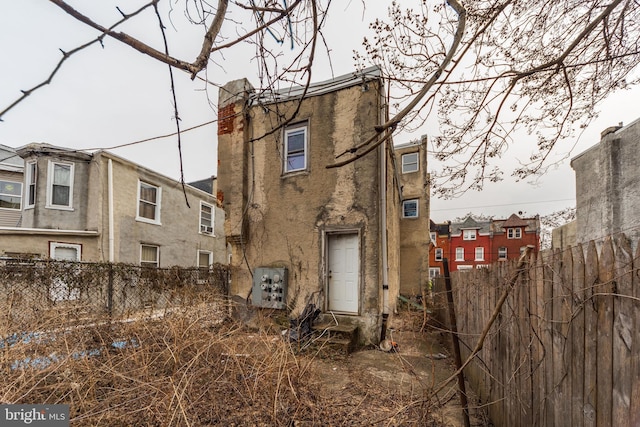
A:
(434, 272)
(205, 259)
(433, 236)
(479, 254)
(295, 148)
(32, 173)
(149, 256)
(10, 195)
(148, 202)
(502, 253)
(459, 254)
(514, 233)
(410, 208)
(60, 185)
(469, 234)
(438, 254)
(410, 162)
(206, 218)
(60, 290)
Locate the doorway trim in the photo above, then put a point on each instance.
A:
(327, 234)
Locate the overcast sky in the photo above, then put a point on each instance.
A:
(107, 97)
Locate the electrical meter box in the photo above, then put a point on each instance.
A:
(269, 287)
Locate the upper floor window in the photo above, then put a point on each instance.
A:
(469, 234)
(438, 254)
(149, 256)
(295, 148)
(410, 208)
(502, 253)
(432, 236)
(410, 162)
(479, 254)
(148, 202)
(60, 185)
(459, 254)
(206, 218)
(30, 180)
(10, 195)
(514, 233)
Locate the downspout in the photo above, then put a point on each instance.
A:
(383, 239)
(110, 198)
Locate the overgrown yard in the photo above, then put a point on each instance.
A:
(183, 369)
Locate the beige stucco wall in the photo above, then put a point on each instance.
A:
(288, 217)
(414, 232)
(37, 243)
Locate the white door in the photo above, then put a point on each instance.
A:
(343, 273)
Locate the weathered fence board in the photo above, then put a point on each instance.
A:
(565, 349)
(577, 337)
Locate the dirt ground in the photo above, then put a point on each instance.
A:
(419, 365)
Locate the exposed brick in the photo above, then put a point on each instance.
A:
(226, 117)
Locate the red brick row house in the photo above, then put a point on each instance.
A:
(477, 243)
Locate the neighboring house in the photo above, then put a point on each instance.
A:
(512, 235)
(478, 243)
(301, 232)
(411, 161)
(439, 248)
(470, 244)
(607, 187)
(100, 207)
(11, 176)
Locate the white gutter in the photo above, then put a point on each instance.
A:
(110, 196)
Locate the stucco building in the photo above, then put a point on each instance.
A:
(100, 207)
(333, 232)
(608, 186)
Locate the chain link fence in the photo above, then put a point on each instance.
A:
(39, 294)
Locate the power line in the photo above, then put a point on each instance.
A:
(505, 204)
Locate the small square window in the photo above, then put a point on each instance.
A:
(433, 236)
(410, 162)
(502, 253)
(434, 272)
(149, 256)
(10, 195)
(410, 208)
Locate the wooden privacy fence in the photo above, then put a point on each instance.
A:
(565, 349)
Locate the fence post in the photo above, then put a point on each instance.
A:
(110, 290)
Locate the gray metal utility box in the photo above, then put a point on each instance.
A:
(269, 287)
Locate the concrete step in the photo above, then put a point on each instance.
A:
(330, 339)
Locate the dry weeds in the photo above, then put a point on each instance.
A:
(192, 367)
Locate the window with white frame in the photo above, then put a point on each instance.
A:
(295, 147)
(432, 236)
(434, 272)
(410, 162)
(149, 197)
(410, 208)
(205, 260)
(10, 195)
(438, 254)
(459, 254)
(479, 253)
(31, 169)
(469, 234)
(60, 185)
(149, 255)
(502, 253)
(514, 233)
(206, 218)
